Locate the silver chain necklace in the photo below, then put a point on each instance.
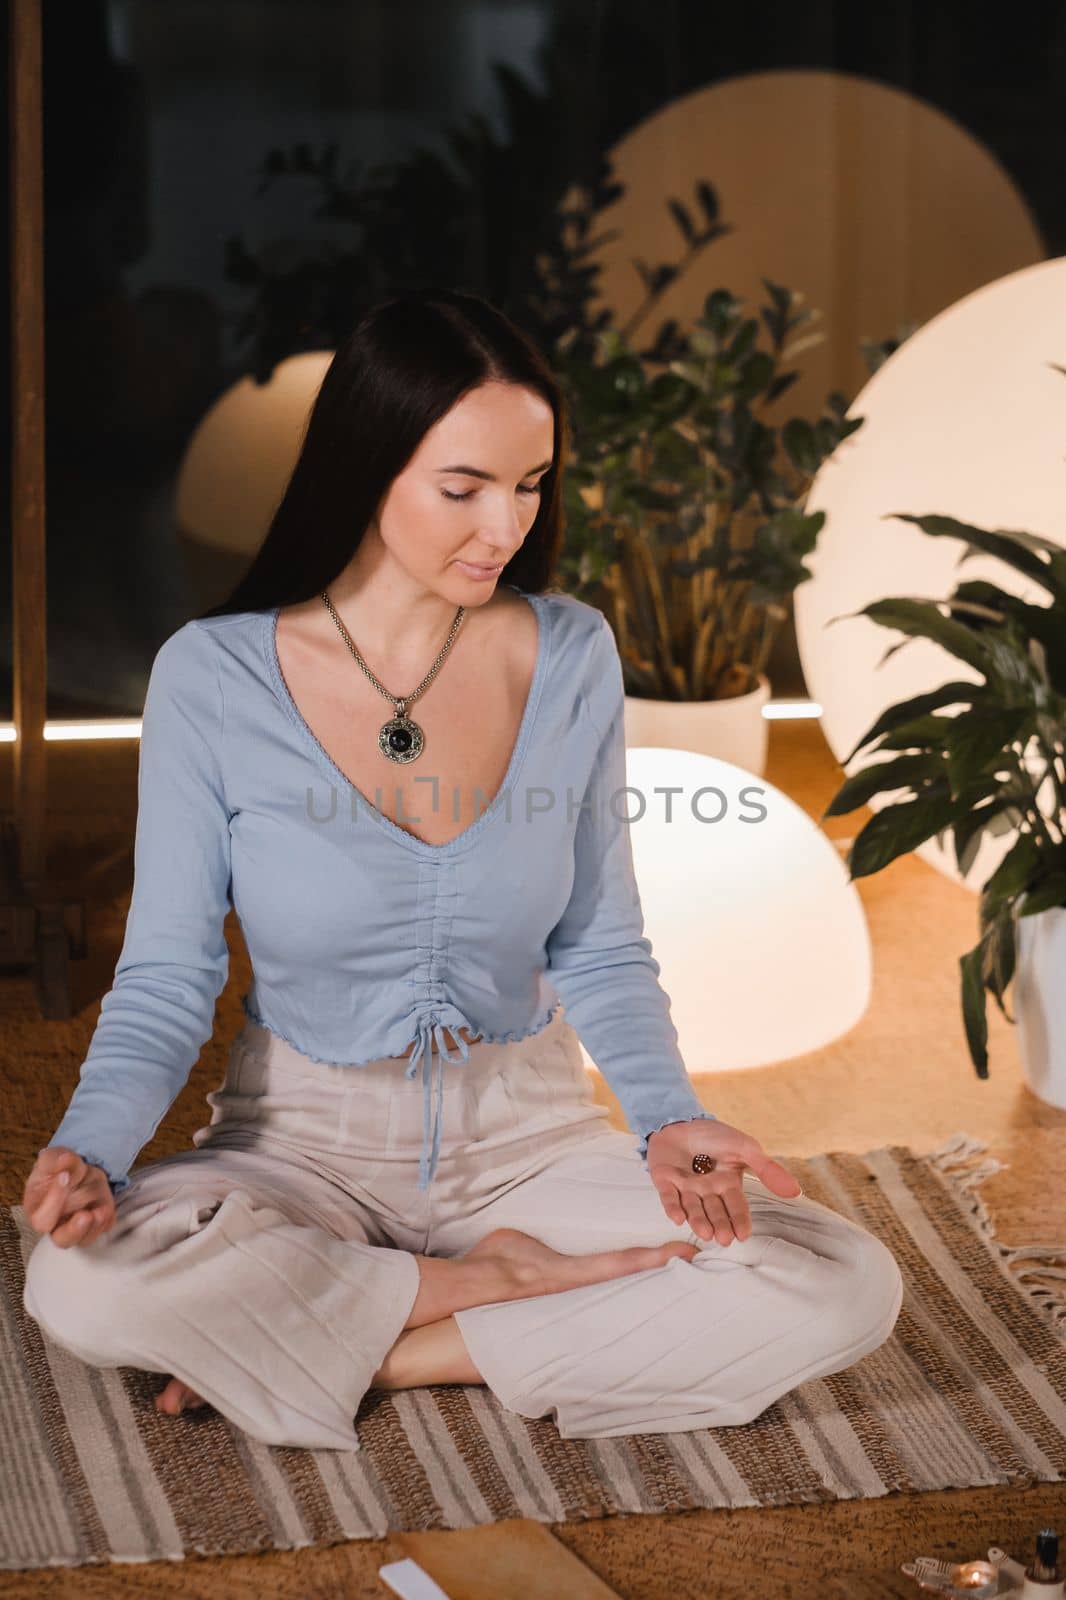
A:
(401, 739)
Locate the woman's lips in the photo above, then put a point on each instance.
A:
(479, 572)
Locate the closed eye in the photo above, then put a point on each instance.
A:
(522, 489)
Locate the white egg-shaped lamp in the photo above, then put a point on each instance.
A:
(966, 418)
(240, 457)
(761, 939)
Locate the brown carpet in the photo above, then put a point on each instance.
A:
(969, 1390)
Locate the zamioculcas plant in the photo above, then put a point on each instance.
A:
(685, 517)
(995, 762)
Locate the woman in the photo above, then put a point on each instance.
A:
(341, 1224)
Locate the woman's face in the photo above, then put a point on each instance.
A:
(470, 492)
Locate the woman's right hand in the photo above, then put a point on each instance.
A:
(68, 1198)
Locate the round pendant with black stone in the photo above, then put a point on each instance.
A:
(401, 739)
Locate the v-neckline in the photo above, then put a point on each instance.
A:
(322, 755)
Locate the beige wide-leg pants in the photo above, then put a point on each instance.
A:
(272, 1266)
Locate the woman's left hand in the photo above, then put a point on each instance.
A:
(713, 1202)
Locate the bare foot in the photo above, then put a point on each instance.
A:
(177, 1396)
(538, 1269)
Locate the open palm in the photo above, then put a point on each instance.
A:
(713, 1203)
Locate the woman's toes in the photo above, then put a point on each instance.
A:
(178, 1397)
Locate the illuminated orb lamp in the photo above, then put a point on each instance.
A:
(761, 940)
(237, 464)
(967, 418)
(795, 156)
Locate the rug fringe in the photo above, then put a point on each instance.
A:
(955, 1158)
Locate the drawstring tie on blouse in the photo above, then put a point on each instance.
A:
(429, 1028)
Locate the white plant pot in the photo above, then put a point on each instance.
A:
(1040, 1002)
(732, 730)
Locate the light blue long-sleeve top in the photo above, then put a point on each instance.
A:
(364, 939)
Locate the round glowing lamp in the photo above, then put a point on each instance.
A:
(240, 457)
(761, 939)
(966, 418)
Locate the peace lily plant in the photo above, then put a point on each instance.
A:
(977, 756)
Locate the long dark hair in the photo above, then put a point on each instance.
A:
(407, 362)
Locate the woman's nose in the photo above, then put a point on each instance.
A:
(507, 533)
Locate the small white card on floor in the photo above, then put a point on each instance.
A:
(410, 1581)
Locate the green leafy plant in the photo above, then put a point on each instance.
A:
(684, 500)
(995, 763)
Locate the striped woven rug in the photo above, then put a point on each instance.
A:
(969, 1390)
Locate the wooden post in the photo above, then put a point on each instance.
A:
(33, 928)
(29, 620)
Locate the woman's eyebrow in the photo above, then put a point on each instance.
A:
(476, 472)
